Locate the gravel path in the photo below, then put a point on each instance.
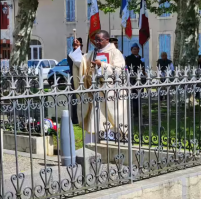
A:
(23, 164)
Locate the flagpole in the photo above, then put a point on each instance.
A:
(87, 44)
(122, 40)
(142, 51)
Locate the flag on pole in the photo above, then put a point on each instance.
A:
(126, 20)
(144, 33)
(95, 25)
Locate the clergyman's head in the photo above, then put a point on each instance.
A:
(101, 39)
(164, 56)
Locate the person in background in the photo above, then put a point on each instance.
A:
(70, 62)
(199, 61)
(163, 63)
(114, 41)
(135, 60)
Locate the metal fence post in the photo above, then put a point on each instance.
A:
(1, 164)
(41, 86)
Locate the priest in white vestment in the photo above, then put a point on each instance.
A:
(85, 65)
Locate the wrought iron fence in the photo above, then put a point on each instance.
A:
(152, 125)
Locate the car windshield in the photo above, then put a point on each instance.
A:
(32, 63)
(64, 62)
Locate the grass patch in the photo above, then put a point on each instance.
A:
(78, 137)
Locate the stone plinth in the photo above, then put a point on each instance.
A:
(89, 156)
(24, 146)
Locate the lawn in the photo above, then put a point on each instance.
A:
(78, 137)
(180, 127)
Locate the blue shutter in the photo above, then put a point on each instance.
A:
(132, 14)
(165, 5)
(165, 44)
(70, 10)
(88, 9)
(73, 10)
(90, 47)
(69, 44)
(199, 44)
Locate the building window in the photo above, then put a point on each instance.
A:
(5, 51)
(4, 16)
(200, 44)
(88, 9)
(69, 44)
(132, 14)
(165, 44)
(35, 50)
(70, 10)
(165, 5)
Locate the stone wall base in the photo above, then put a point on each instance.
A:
(183, 184)
(23, 144)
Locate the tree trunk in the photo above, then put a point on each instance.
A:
(23, 27)
(178, 33)
(186, 42)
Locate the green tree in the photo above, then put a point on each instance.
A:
(187, 27)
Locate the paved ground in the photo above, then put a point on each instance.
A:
(24, 164)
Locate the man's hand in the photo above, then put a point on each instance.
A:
(76, 44)
(96, 62)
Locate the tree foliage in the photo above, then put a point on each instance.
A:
(152, 5)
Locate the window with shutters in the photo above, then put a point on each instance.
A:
(4, 16)
(200, 44)
(5, 51)
(165, 44)
(70, 10)
(69, 44)
(132, 14)
(165, 5)
(88, 9)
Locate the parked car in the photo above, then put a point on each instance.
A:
(47, 64)
(61, 69)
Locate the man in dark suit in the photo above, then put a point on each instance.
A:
(70, 62)
(135, 60)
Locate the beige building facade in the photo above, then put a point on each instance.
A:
(55, 20)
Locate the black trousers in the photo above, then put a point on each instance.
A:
(74, 108)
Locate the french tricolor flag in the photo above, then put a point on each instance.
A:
(126, 20)
(144, 33)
